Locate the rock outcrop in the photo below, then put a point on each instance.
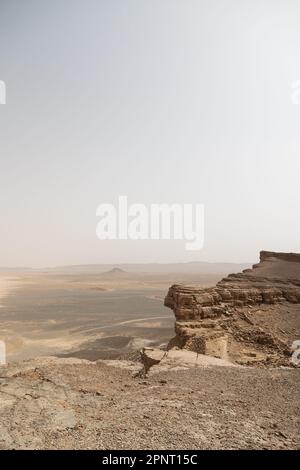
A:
(239, 318)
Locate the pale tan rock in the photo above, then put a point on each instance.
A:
(156, 360)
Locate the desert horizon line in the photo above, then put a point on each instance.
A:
(159, 263)
(141, 263)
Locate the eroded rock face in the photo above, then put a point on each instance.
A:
(222, 320)
(290, 257)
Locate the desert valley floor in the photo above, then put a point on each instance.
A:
(90, 316)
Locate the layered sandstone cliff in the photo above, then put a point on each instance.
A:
(249, 317)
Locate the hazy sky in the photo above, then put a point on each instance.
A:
(165, 101)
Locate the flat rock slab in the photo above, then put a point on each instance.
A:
(158, 360)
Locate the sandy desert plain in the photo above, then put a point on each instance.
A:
(92, 312)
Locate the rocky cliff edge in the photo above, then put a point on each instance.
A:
(248, 318)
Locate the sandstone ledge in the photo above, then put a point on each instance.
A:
(234, 319)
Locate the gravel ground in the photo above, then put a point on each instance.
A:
(74, 404)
